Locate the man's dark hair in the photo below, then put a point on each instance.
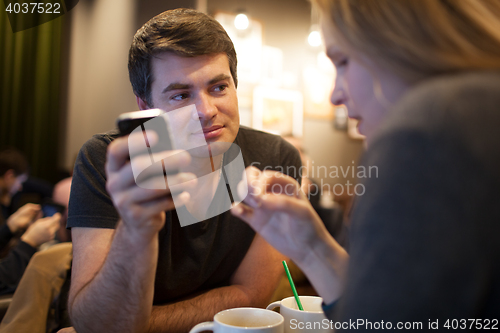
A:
(184, 32)
(13, 159)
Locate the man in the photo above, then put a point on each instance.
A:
(134, 268)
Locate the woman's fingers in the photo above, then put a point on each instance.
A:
(286, 204)
(243, 212)
(268, 182)
(269, 205)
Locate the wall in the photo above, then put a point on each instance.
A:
(286, 25)
(99, 89)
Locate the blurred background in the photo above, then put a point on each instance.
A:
(67, 79)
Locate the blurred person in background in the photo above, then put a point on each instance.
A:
(423, 79)
(13, 172)
(37, 233)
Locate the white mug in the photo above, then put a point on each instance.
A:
(240, 320)
(312, 319)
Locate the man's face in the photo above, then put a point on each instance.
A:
(204, 81)
(12, 183)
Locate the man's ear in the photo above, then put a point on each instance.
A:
(142, 103)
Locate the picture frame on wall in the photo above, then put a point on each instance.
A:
(278, 111)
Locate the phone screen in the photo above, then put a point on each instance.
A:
(51, 209)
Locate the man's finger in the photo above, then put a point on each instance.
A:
(184, 182)
(139, 141)
(171, 162)
(30, 207)
(117, 155)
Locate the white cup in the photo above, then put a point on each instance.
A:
(239, 320)
(312, 319)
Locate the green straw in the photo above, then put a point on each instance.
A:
(297, 299)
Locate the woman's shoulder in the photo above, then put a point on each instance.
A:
(449, 103)
(454, 112)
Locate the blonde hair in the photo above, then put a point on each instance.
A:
(418, 38)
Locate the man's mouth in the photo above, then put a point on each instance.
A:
(212, 131)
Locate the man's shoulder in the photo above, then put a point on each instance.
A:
(95, 148)
(252, 136)
(259, 146)
(101, 139)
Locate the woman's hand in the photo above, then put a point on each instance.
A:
(277, 209)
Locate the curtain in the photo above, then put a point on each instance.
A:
(30, 104)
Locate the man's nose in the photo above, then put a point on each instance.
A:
(206, 107)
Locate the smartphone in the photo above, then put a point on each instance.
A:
(129, 121)
(149, 120)
(49, 208)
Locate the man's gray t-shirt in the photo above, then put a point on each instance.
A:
(193, 258)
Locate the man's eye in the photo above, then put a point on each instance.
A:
(221, 87)
(180, 97)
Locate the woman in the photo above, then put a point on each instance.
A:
(423, 79)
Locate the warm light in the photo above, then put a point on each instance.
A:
(241, 22)
(314, 38)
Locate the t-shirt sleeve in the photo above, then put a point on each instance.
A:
(417, 247)
(90, 204)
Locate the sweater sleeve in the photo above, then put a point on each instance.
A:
(13, 266)
(5, 236)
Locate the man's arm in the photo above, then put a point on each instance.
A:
(114, 270)
(111, 286)
(252, 284)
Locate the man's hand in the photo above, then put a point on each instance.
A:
(23, 217)
(277, 210)
(142, 210)
(43, 230)
(114, 270)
